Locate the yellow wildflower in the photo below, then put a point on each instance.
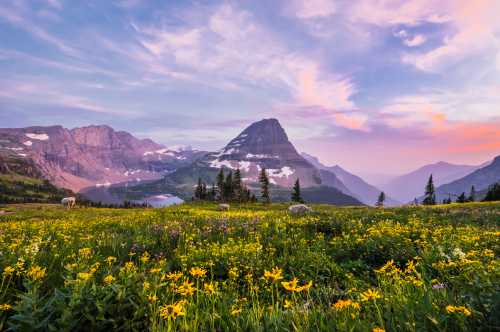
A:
(172, 311)
(152, 298)
(145, 257)
(293, 287)
(198, 272)
(370, 295)
(275, 275)
(36, 273)
(146, 285)
(83, 276)
(288, 304)
(109, 279)
(5, 307)
(210, 288)
(85, 252)
(235, 310)
(233, 273)
(186, 288)
(378, 329)
(172, 276)
(111, 260)
(343, 304)
(460, 309)
(9, 270)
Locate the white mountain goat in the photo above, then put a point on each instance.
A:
(68, 202)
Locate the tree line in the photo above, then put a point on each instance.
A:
(230, 188)
(493, 194)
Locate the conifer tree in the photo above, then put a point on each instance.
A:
(461, 198)
(228, 187)
(203, 195)
(472, 195)
(381, 199)
(198, 190)
(212, 195)
(493, 193)
(237, 186)
(430, 193)
(296, 195)
(220, 184)
(264, 186)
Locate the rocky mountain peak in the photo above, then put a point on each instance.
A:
(265, 139)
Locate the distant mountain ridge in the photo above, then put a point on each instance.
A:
(357, 187)
(91, 156)
(481, 179)
(409, 186)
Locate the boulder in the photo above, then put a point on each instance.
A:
(223, 207)
(299, 209)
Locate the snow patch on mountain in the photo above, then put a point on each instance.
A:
(285, 171)
(28, 143)
(40, 137)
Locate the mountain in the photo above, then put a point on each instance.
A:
(481, 179)
(406, 187)
(91, 156)
(263, 144)
(357, 187)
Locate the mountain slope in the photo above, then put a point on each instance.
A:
(356, 186)
(481, 179)
(263, 144)
(20, 182)
(406, 187)
(91, 156)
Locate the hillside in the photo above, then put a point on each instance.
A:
(20, 182)
(354, 184)
(408, 186)
(481, 179)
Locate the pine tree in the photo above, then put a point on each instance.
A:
(264, 186)
(198, 190)
(228, 187)
(237, 186)
(220, 184)
(430, 193)
(461, 198)
(472, 195)
(212, 195)
(204, 193)
(493, 193)
(381, 199)
(296, 196)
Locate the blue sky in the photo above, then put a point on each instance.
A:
(375, 86)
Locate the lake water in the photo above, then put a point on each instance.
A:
(159, 201)
(104, 195)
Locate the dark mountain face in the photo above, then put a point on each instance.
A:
(264, 144)
(406, 187)
(91, 156)
(481, 179)
(355, 186)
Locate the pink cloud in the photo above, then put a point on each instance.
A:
(310, 9)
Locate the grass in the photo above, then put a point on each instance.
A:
(255, 268)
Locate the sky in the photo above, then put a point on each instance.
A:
(376, 86)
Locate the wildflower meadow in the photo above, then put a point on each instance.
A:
(252, 268)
